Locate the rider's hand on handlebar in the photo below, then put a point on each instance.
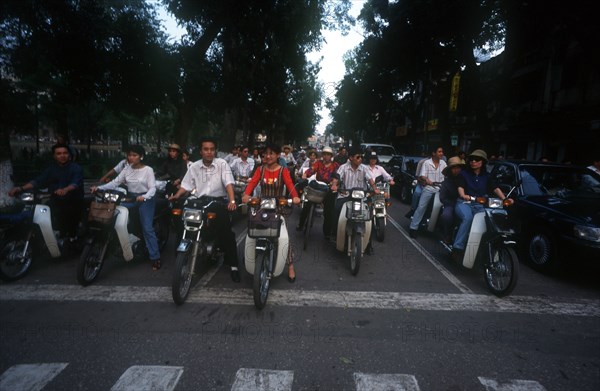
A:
(93, 189)
(296, 200)
(466, 197)
(140, 199)
(231, 206)
(245, 198)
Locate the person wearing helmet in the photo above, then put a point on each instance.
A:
(141, 185)
(474, 181)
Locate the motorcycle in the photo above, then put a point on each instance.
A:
(112, 228)
(311, 196)
(498, 256)
(238, 189)
(27, 233)
(380, 204)
(354, 227)
(197, 242)
(267, 244)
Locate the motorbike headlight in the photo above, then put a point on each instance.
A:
(27, 197)
(587, 233)
(379, 203)
(268, 203)
(495, 203)
(192, 215)
(360, 194)
(111, 197)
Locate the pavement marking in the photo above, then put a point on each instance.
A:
(249, 379)
(455, 281)
(311, 298)
(511, 385)
(30, 377)
(385, 381)
(148, 377)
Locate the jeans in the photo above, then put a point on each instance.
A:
(146, 213)
(426, 196)
(465, 212)
(447, 222)
(416, 196)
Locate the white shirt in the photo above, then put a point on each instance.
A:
(138, 181)
(432, 173)
(378, 170)
(242, 168)
(210, 181)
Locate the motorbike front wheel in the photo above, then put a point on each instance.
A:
(380, 228)
(13, 263)
(355, 253)
(501, 271)
(308, 224)
(182, 277)
(91, 262)
(262, 280)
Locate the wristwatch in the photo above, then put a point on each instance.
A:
(232, 202)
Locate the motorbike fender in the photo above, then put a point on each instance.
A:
(340, 238)
(478, 228)
(435, 212)
(42, 216)
(122, 233)
(184, 245)
(283, 244)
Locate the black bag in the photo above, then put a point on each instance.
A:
(259, 227)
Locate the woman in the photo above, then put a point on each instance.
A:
(140, 182)
(271, 187)
(448, 196)
(377, 171)
(186, 158)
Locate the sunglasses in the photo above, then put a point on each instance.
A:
(475, 159)
(358, 157)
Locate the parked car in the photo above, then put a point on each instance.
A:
(403, 168)
(384, 152)
(558, 209)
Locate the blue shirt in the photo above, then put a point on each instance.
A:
(57, 177)
(476, 185)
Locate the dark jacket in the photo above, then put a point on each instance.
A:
(57, 177)
(449, 191)
(172, 169)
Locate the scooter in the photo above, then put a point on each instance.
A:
(380, 204)
(25, 234)
(238, 189)
(114, 229)
(197, 243)
(311, 195)
(492, 228)
(267, 244)
(354, 227)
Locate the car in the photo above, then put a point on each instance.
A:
(557, 208)
(384, 152)
(402, 168)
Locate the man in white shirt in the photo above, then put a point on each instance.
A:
(431, 172)
(212, 177)
(242, 166)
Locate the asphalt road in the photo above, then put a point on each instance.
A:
(410, 320)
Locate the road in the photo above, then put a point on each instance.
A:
(410, 320)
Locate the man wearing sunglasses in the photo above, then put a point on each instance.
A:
(474, 181)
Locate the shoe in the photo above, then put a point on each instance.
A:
(412, 233)
(369, 250)
(156, 265)
(291, 274)
(409, 214)
(235, 275)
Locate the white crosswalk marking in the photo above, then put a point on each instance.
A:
(511, 385)
(249, 379)
(385, 381)
(148, 377)
(29, 377)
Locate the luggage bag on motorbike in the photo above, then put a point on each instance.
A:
(316, 192)
(101, 212)
(264, 224)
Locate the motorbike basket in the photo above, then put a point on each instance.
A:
(264, 224)
(363, 214)
(101, 212)
(316, 193)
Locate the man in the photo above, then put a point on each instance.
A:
(288, 156)
(352, 174)
(243, 165)
(417, 190)
(64, 180)
(235, 151)
(173, 169)
(211, 176)
(431, 172)
(595, 166)
(342, 156)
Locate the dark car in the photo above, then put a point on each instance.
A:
(557, 208)
(402, 168)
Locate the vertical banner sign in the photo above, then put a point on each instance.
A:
(454, 92)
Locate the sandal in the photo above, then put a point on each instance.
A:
(156, 265)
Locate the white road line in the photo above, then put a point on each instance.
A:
(511, 385)
(455, 281)
(30, 377)
(148, 377)
(385, 381)
(249, 379)
(320, 299)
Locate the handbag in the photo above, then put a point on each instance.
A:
(101, 212)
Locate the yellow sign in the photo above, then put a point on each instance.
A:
(454, 92)
(432, 124)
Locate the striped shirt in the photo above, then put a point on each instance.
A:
(352, 178)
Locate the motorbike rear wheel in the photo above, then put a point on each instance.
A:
(182, 277)
(262, 280)
(355, 253)
(380, 228)
(91, 261)
(501, 270)
(13, 265)
(308, 224)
